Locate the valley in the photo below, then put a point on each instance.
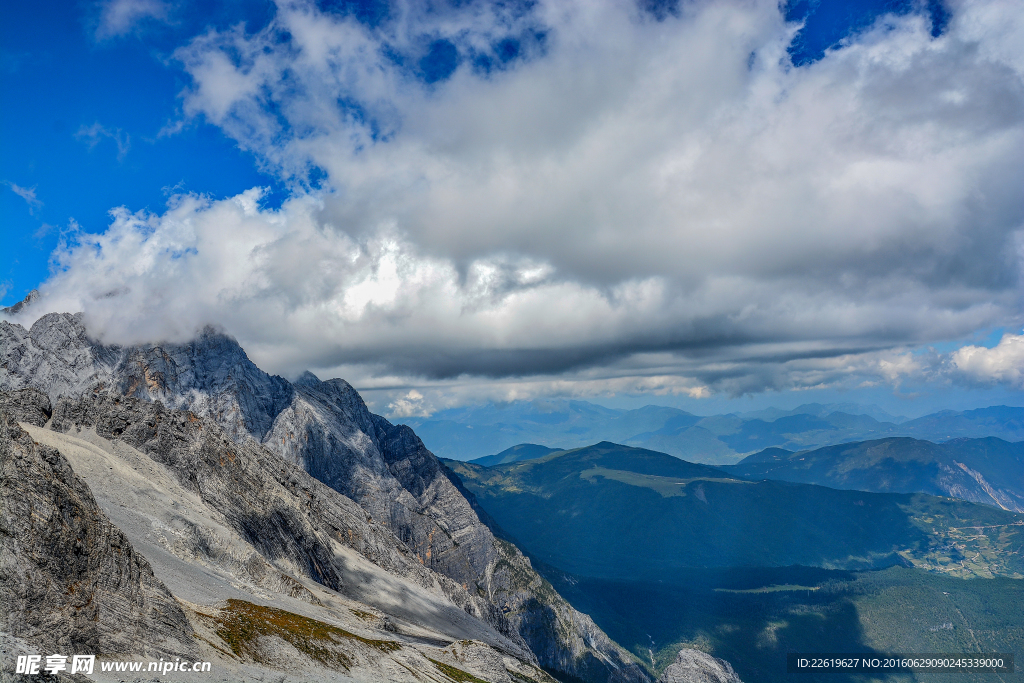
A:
(667, 554)
(752, 617)
(616, 512)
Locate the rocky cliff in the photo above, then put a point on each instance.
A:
(70, 581)
(262, 566)
(694, 666)
(325, 429)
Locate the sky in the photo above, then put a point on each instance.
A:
(694, 203)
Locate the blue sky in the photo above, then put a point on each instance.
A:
(655, 202)
(59, 82)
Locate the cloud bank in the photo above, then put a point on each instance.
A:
(1002, 364)
(580, 192)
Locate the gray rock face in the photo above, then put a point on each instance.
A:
(17, 308)
(55, 356)
(70, 582)
(326, 429)
(329, 432)
(694, 666)
(26, 405)
(280, 510)
(393, 623)
(211, 375)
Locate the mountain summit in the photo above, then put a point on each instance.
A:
(324, 429)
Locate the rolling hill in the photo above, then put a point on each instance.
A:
(523, 451)
(988, 470)
(615, 512)
(666, 554)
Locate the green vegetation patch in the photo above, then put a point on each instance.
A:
(241, 625)
(520, 678)
(616, 512)
(968, 540)
(456, 674)
(365, 616)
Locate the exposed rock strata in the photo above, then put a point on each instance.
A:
(70, 581)
(326, 429)
(26, 405)
(694, 666)
(17, 308)
(385, 627)
(290, 517)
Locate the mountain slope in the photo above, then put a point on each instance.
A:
(616, 512)
(523, 451)
(1004, 422)
(985, 470)
(326, 429)
(245, 541)
(69, 579)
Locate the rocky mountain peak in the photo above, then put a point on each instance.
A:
(307, 379)
(17, 308)
(326, 429)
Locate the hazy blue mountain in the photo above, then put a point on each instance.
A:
(824, 409)
(615, 512)
(1004, 422)
(523, 451)
(473, 432)
(987, 470)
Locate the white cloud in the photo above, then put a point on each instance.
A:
(1002, 364)
(643, 148)
(668, 206)
(92, 135)
(26, 193)
(408, 405)
(121, 17)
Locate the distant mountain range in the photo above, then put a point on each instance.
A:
(616, 512)
(474, 432)
(666, 553)
(985, 470)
